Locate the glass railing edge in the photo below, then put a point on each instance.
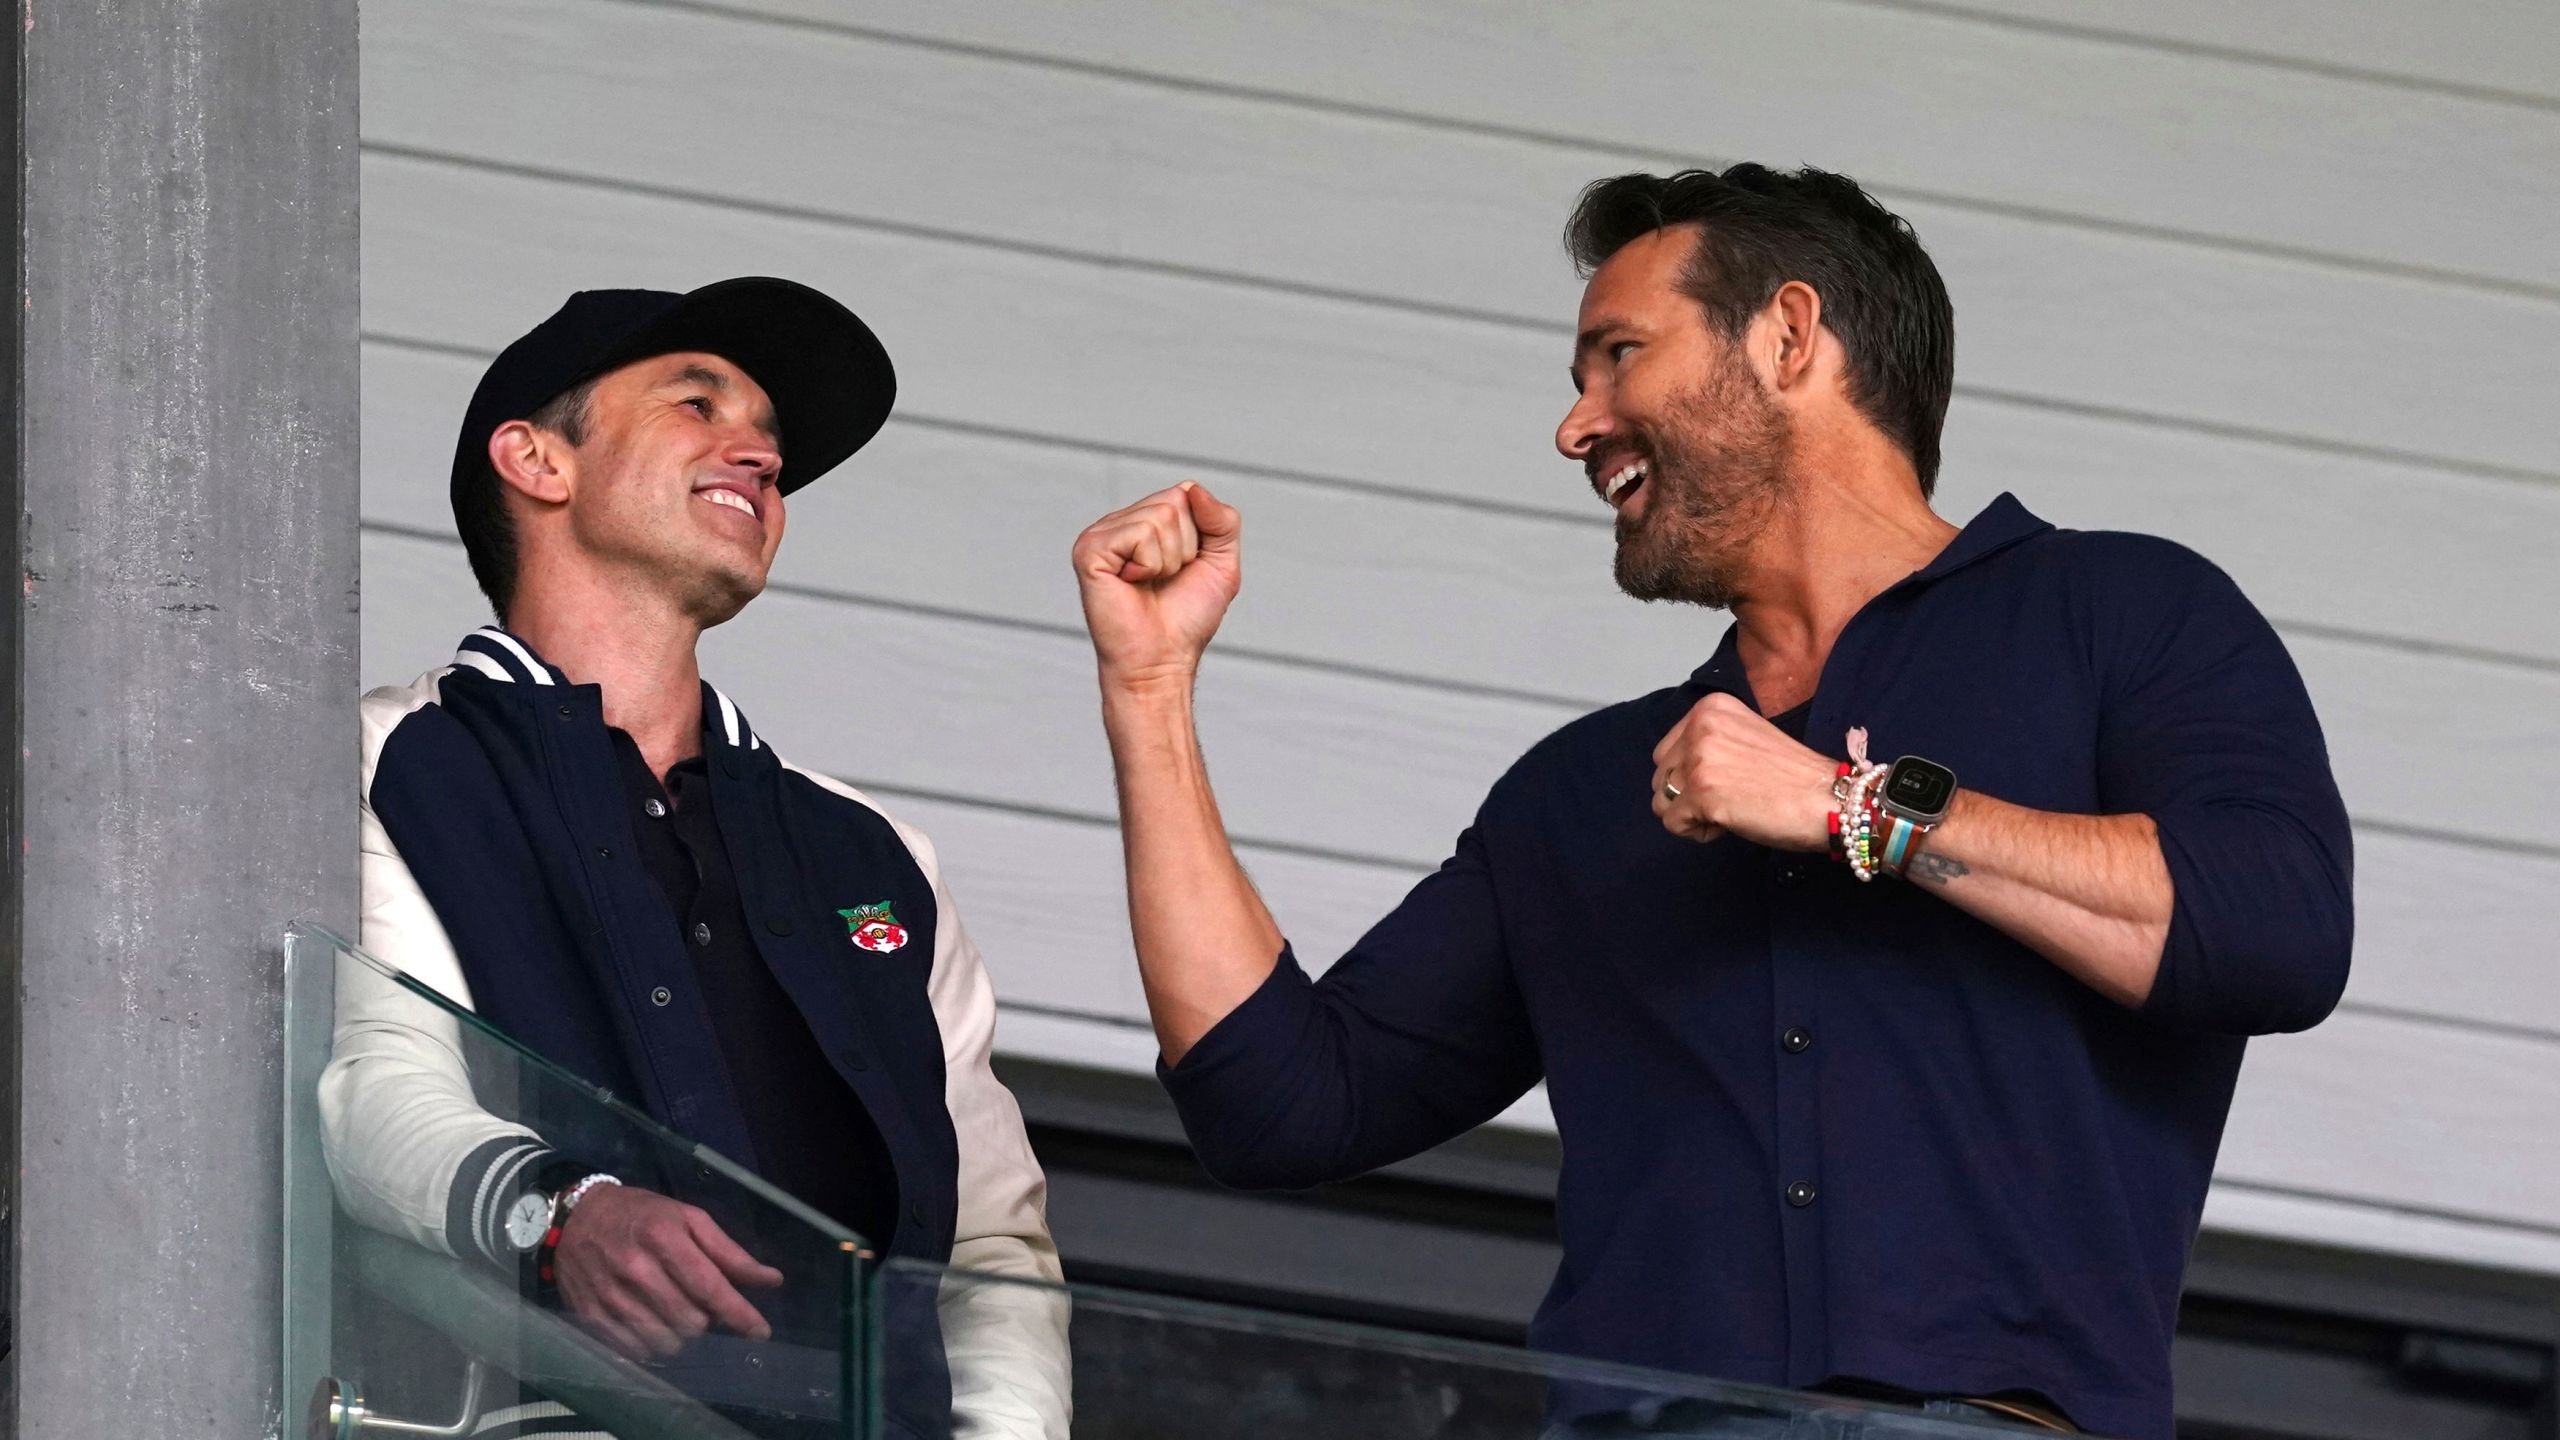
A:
(639, 1119)
(1373, 1339)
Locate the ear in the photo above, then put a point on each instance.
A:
(534, 463)
(1796, 329)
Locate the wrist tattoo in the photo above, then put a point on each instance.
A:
(1936, 869)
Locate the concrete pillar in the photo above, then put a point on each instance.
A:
(180, 669)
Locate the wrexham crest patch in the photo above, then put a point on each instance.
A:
(874, 927)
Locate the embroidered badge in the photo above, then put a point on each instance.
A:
(874, 928)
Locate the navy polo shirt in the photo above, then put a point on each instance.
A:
(1815, 1130)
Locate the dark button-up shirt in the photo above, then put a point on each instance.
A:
(1815, 1129)
(812, 1137)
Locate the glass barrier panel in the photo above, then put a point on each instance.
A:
(1148, 1367)
(422, 1296)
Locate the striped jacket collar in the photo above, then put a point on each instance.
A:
(503, 657)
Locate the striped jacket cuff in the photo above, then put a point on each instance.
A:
(488, 1181)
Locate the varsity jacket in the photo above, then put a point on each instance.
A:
(499, 868)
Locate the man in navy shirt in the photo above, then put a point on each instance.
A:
(1942, 1137)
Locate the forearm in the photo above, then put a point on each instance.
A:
(2091, 893)
(1205, 941)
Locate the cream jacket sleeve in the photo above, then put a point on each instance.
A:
(409, 1146)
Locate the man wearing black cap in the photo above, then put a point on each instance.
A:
(570, 832)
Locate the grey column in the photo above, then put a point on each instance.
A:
(181, 672)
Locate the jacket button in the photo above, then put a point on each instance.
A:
(1797, 1040)
(779, 924)
(701, 932)
(854, 1059)
(661, 995)
(654, 808)
(568, 714)
(1800, 1194)
(729, 763)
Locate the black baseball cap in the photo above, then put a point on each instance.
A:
(829, 379)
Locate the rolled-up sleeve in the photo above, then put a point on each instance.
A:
(2208, 730)
(1416, 1036)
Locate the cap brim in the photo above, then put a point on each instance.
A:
(829, 378)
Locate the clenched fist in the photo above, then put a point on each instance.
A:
(1735, 772)
(1156, 579)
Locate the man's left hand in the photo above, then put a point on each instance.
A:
(1737, 773)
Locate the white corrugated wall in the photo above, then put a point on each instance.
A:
(2277, 280)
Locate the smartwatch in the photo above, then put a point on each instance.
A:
(1917, 790)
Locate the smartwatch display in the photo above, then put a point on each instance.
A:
(1918, 790)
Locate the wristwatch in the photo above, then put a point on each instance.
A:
(1914, 798)
(527, 1221)
(534, 1215)
(1918, 790)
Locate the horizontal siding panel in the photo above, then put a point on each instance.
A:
(1019, 341)
(2236, 1207)
(901, 134)
(1901, 99)
(2351, 542)
(1372, 579)
(1044, 900)
(2456, 931)
(1116, 170)
(2437, 1118)
(2428, 741)
(2504, 45)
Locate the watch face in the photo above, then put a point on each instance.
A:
(528, 1219)
(1919, 788)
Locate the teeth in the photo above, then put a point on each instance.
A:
(1621, 481)
(730, 498)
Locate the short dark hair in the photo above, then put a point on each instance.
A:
(480, 509)
(1760, 228)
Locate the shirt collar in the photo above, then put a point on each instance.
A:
(2001, 524)
(506, 657)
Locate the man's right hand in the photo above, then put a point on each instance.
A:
(1157, 578)
(649, 1273)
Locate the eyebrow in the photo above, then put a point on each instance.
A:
(710, 379)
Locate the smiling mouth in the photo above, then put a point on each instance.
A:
(732, 500)
(1622, 483)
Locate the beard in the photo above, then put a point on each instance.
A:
(1719, 467)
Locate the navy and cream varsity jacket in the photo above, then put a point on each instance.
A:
(499, 868)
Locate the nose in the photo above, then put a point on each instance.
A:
(1585, 425)
(752, 449)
